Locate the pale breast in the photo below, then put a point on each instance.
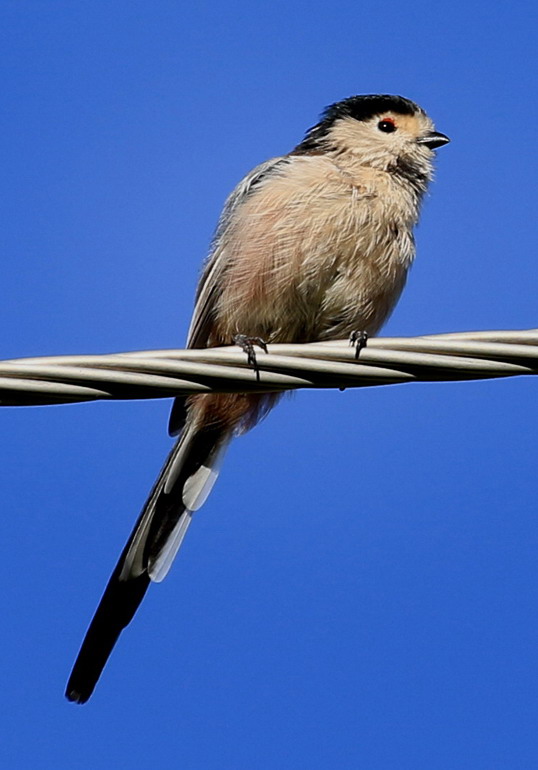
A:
(314, 254)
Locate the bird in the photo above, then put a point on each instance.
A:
(313, 245)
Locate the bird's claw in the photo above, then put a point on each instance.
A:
(358, 340)
(247, 346)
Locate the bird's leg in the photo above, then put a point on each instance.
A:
(358, 340)
(247, 346)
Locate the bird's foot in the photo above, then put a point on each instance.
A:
(358, 340)
(247, 346)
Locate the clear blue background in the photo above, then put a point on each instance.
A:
(361, 590)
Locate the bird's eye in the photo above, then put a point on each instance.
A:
(387, 125)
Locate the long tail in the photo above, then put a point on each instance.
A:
(181, 488)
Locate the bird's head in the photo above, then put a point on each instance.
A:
(386, 132)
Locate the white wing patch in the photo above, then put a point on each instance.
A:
(158, 568)
(193, 495)
(195, 492)
(197, 488)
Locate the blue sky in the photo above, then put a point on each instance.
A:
(361, 589)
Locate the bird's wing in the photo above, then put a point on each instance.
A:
(216, 265)
(209, 287)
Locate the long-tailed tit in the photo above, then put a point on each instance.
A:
(313, 245)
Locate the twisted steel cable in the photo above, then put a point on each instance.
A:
(167, 373)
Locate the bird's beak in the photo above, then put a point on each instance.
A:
(433, 139)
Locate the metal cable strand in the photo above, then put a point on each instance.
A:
(166, 373)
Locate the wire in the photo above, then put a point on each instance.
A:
(166, 373)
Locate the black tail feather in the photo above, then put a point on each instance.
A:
(117, 607)
(122, 598)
